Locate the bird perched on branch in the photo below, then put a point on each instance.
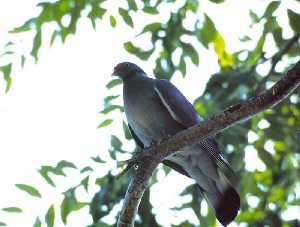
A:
(156, 109)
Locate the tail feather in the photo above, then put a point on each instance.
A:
(228, 206)
(226, 203)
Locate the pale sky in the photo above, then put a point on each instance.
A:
(52, 110)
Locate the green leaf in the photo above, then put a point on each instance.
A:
(150, 10)
(25, 27)
(277, 195)
(154, 27)
(63, 32)
(225, 59)
(251, 216)
(132, 5)
(57, 170)
(219, 45)
(79, 205)
(208, 31)
(23, 59)
(7, 53)
(69, 204)
(294, 19)
(113, 83)
(115, 142)
(2, 223)
(65, 164)
(270, 24)
(191, 52)
(266, 157)
(37, 222)
(188, 190)
(200, 108)
(50, 216)
(101, 181)
(95, 13)
(142, 54)
(6, 70)
(182, 66)
(112, 154)
(98, 159)
(126, 131)
(245, 39)
(44, 173)
(53, 37)
(108, 99)
(126, 17)
(36, 44)
(192, 5)
(277, 35)
(217, 1)
(112, 108)
(85, 183)
(271, 8)
(12, 209)
(113, 21)
(105, 123)
(9, 43)
(29, 189)
(86, 169)
(255, 55)
(66, 206)
(254, 17)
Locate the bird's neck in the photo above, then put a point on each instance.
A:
(135, 78)
(135, 84)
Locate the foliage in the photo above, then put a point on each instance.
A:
(274, 134)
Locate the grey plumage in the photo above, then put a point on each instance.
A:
(156, 109)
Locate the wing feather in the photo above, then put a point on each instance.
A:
(184, 113)
(177, 105)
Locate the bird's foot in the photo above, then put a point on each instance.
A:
(129, 164)
(132, 162)
(138, 157)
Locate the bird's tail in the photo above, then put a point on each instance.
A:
(224, 199)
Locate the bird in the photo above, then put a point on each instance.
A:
(155, 109)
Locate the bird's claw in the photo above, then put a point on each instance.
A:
(137, 157)
(132, 162)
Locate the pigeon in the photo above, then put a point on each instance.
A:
(155, 109)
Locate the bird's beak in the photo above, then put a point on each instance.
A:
(114, 74)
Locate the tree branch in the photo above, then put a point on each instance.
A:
(274, 61)
(151, 157)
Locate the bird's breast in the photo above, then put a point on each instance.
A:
(147, 116)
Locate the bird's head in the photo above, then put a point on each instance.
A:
(125, 70)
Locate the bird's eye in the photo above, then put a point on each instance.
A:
(127, 65)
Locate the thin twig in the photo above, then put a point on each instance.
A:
(151, 157)
(274, 61)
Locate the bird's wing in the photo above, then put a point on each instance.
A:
(177, 105)
(175, 166)
(184, 113)
(136, 138)
(211, 145)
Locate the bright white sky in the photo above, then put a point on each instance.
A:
(52, 110)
